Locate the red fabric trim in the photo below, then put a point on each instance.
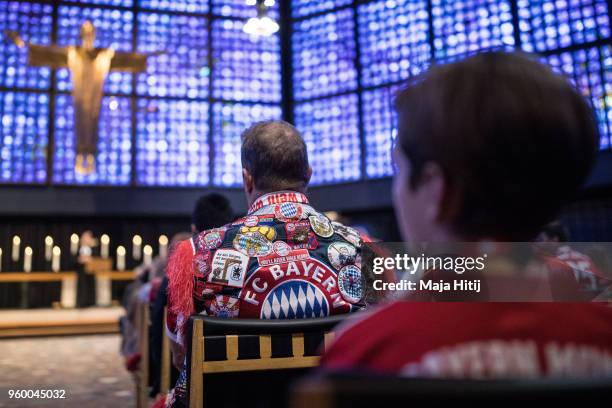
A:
(180, 280)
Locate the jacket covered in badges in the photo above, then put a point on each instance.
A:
(283, 260)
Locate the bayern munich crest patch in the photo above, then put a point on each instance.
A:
(288, 211)
(297, 289)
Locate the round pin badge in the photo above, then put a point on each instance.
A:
(341, 254)
(348, 233)
(288, 211)
(350, 283)
(321, 225)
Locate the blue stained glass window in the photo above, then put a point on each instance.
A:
(172, 148)
(33, 22)
(245, 68)
(183, 71)
(113, 161)
(585, 69)
(467, 26)
(113, 29)
(330, 129)
(547, 25)
(324, 55)
(394, 40)
(380, 130)
(23, 137)
(301, 8)
(190, 6)
(239, 8)
(230, 120)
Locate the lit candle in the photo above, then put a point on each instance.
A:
(55, 260)
(163, 246)
(104, 244)
(48, 247)
(74, 244)
(120, 258)
(27, 259)
(16, 246)
(148, 254)
(136, 244)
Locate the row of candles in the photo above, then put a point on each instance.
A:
(53, 252)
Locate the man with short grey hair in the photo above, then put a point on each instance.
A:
(283, 260)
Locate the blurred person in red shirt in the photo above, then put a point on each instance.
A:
(488, 149)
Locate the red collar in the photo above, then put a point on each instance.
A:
(278, 197)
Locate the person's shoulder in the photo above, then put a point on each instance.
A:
(211, 239)
(371, 323)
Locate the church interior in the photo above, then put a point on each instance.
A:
(118, 115)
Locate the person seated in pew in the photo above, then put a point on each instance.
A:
(552, 243)
(488, 149)
(211, 210)
(283, 260)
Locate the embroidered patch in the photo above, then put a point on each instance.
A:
(321, 225)
(348, 233)
(293, 289)
(350, 283)
(225, 307)
(251, 221)
(210, 240)
(229, 268)
(281, 248)
(341, 254)
(267, 232)
(300, 236)
(288, 211)
(201, 262)
(292, 256)
(252, 244)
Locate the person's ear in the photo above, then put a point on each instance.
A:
(433, 186)
(247, 179)
(308, 174)
(193, 228)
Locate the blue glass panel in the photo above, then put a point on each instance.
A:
(245, 68)
(191, 6)
(239, 8)
(172, 147)
(230, 120)
(324, 55)
(467, 26)
(301, 8)
(183, 71)
(330, 129)
(116, 3)
(585, 69)
(23, 137)
(33, 22)
(547, 25)
(394, 40)
(380, 130)
(113, 29)
(113, 161)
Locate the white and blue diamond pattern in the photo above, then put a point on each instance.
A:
(295, 299)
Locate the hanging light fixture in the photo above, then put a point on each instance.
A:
(262, 25)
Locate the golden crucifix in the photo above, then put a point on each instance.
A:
(88, 68)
